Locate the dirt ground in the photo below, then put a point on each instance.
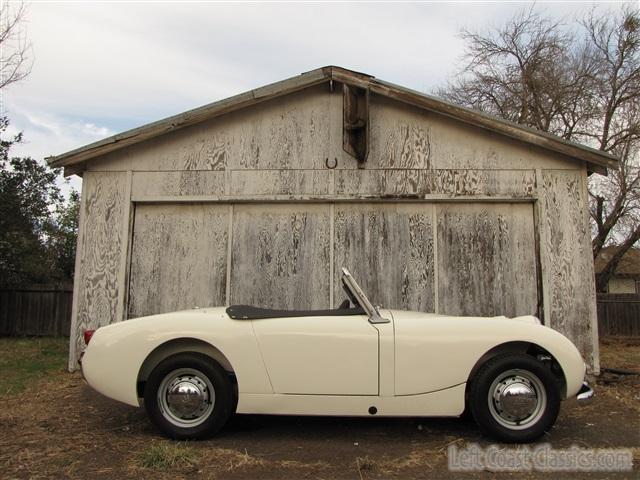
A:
(60, 428)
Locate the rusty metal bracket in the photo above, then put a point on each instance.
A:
(355, 122)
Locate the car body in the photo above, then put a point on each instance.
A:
(352, 361)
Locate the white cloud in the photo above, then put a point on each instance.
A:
(45, 133)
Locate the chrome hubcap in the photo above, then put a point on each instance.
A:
(517, 399)
(186, 397)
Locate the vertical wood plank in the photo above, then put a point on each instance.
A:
(98, 288)
(591, 292)
(227, 295)
(280, 256)
(124, 250)
(389, 250)
(434, 223)
(77, 275)
(486, 260)
(332, 275)
(569, 279)
(179, 258)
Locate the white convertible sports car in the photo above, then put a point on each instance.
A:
(193, 369)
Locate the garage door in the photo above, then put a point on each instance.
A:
(470, 259)
(178, 257)
(486, 259)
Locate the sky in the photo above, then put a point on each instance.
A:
(100, 68)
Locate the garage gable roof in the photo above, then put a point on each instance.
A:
(597, 161)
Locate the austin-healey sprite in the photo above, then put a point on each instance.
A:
(193, 369)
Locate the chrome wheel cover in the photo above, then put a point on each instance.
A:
(517, 399)
(186, 397)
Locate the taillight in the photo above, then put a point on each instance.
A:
(87, 336)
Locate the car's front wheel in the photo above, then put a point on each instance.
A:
(514, 398)
(188, 396)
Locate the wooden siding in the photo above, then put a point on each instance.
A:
(565, 250)
(436, 198)
(280, 256)
(97, 287)
(389, 250)
(178, 258)
(444, 183)
(282, 135)
(486, 260)
(304, 129)
(290, 256)
(179, 183)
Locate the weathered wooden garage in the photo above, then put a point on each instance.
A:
(261, 198)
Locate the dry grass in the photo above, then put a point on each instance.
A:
(167, 455)
(58, 428)
(621, 353)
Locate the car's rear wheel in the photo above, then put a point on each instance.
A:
(188, 396)
(514, 398)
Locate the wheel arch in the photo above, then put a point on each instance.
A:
(180, 345)
(523, 347)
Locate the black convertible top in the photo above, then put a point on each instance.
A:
(248, 312)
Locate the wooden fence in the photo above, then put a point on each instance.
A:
(46, 310)
(36, 310)
(618, 314)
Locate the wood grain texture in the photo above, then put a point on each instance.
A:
(281, 182)
(515, 183)
(286, 133)
(77, 275)
(403, 136)
(276, 152)
(486, 260)
(301, 130)
(179, 258)
(100, 253)
(389, 250)
(280, 256)
(178, 183)
(598, 160)
(567, 259)
(35, 310)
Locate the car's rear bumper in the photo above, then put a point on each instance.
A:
(585, 394)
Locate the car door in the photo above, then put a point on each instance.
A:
(328, 355)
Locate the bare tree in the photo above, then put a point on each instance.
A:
(580, 82)
(15, 63)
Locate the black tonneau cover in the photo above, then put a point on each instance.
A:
(248, 312)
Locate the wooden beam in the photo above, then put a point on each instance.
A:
(241, 199)
(77, 276)
(355, 122)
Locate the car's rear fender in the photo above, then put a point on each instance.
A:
(177, 346)
(118, 353)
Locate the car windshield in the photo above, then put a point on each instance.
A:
(350, 295)
(357, 296)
